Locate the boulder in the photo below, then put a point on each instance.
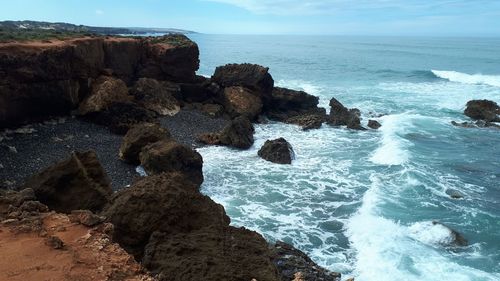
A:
(277, 151)
(238, 134)
(170, 156)
(291, 261)
(242, 101)
(105, 91)
(138, 137)
(76, 183)
(251, 76)
(166, 203)
(342, 116)
(374, 124)
(180, 234)
(157, 96)
(204, 90)
(485, 110)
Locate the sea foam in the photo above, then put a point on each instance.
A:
(393, 148)
(454, 76)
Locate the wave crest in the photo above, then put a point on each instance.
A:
(459, 77)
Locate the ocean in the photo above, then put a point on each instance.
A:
(362, 202)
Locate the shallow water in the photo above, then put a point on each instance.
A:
(363, 203)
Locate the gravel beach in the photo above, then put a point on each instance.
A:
(28, 150)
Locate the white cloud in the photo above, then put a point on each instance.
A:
(99, 12)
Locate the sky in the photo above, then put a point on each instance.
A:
(318, 17)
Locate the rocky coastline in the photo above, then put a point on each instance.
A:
(79, 115)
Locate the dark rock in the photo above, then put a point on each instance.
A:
(73, 184)
(138, 137)
(374, 124)
(277, 151)
(85, 217)
(455, 194)
(241, 101)
(203, 91)
(54, 242)
(238, 134)
(307, 121)
(212, 110)
(251, 76)
(485, 110)
(342, 116)
(170, 156)
(120, 117)
(157, 96)
(291, 261)
(166, 203)
(477, 124)
(212, 253)
(457, 238)
(105, 92)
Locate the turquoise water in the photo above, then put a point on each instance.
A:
(363, 203)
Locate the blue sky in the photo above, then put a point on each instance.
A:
(341, 17)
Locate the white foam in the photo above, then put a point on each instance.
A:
(140, 170)
(459, 77)
(393, 148)
(430, 233)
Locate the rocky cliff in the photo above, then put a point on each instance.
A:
(52, 77)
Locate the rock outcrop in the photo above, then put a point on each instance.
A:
(49, 78)
(38, 245)
(77, 183)
(238, 134)
(181, 234)
(374, 124)
(292, 262)
(485, 110)
(241, 101)
(277, 151)
(138, 137)
(105, 92)
(251, 76)
(157, 96)
(170, 156)
(295, 107)
(342, 116)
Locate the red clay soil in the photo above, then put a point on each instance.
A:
(88, 254)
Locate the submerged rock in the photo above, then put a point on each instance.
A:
(455, 194)
(291, 261)
(138, 137)
(170, 156)
(374, 124)
(238, 134)
(477, 124)
(485, 110)
(342, 116)
(277, 151)
(457, 239)
(77, 183)
(157, 96)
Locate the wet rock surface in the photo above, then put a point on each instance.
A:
(294, 264)
(77, 183)
(374, 124)
(342, 116)
(485, 110)
(277, 151)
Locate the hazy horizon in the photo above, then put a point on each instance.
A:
(450, 18)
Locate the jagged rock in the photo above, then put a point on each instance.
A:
(105, 92)
(85, 217)
(277, 151)
(485, 110)
(77, 183)
(180, 234)
(157, 96)
(342, 116)
(167, 203)
(138, 137)
(238, 134)
(374, 124)
(291, 261)
(477, 124)
(241, 101)
(307, 121)
(202, 91)
(457, 238)
(170, 156)
(251, 76)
